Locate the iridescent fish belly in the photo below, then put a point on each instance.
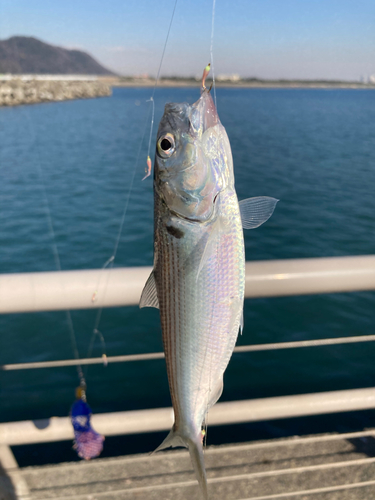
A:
(200, 313)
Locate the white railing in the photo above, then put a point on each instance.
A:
(126, 358)
(52, 291)
(120, 287)
(161, 419)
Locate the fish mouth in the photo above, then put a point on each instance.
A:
(204, 114)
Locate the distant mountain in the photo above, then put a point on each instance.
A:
(25, 55)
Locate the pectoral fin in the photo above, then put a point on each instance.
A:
(149, 297)
(256, 211)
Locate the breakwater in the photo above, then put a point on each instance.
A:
(18, 91)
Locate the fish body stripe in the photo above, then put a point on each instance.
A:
(200, 314)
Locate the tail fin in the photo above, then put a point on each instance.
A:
(196, 455)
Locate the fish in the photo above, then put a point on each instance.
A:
(198, 276)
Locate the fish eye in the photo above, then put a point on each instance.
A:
(166, 145)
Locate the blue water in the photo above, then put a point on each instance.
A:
(312, 149)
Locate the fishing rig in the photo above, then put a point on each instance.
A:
(87, 442)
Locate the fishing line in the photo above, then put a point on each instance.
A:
(110, 261)
(87, 442)
(148, 171)
(214, 89)
(55, 250)
(212, 49)
(211, 67)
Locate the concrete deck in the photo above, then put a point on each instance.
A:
(327, 467)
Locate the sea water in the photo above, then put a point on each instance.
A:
(312, 149)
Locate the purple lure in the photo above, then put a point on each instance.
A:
(87, 442)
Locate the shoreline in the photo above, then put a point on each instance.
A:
(292, 84)
(18, 91)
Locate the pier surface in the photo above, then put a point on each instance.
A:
(324, 467)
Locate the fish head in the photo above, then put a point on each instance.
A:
(193, 161)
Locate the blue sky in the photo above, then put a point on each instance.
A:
(263, 38)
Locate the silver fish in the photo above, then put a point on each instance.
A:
(198, 279)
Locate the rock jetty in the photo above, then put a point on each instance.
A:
(18, 91)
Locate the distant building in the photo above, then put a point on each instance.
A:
(229, 78)
(371, 79)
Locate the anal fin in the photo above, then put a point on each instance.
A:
(149, 297)
(216, 393)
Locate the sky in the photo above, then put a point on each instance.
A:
(302, 39)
